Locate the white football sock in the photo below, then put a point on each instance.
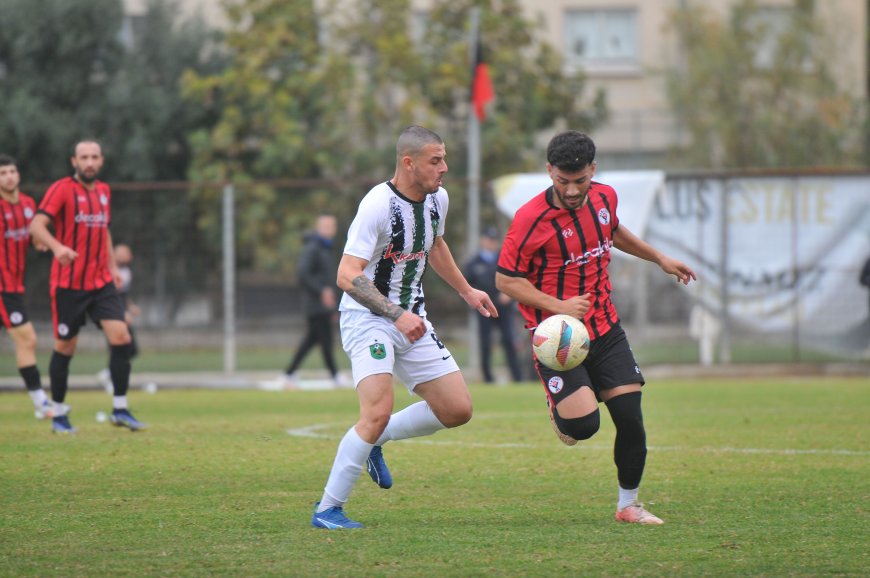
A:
(119, 402)
(38, 397)
(352, 454)
(414, 421)
(626, 498)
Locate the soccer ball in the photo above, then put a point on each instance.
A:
(561, 342)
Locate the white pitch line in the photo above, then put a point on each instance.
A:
(314, 432)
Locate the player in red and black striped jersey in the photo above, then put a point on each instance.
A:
(554, 260)
(84, 278)
(16, 213)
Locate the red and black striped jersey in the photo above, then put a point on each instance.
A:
(565, 253)
(15, 226)
(81, 220)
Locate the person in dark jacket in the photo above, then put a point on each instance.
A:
(316, 271)
(480, 272)
(865, 274)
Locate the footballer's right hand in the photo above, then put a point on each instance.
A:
(65, 255)
(411, 326)
(576, 307)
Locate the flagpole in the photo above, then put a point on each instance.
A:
(473, 190)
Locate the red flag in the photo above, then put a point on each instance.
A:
(481, 86)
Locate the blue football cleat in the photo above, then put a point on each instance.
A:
(123, 418)
(377, 468)
(333, 519)
(61, 425)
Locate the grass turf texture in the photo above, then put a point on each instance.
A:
(752, 478)
(276, 359)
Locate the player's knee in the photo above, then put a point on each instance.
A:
(579, 428)
(27, 342)
(120, 339)
(373, 423)
(65, 347)
(456, 417)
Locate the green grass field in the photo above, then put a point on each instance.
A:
(760, 478)
(276, 358)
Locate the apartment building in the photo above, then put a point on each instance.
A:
(628, 47)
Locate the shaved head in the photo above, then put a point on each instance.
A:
(413, 139)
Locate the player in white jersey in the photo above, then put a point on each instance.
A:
(397, 232)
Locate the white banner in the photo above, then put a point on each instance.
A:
(790, 248)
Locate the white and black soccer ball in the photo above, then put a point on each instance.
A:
(561, 342)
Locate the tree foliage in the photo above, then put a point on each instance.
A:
(72, 70)
(316, 91)
(65, 74)
(742, 111)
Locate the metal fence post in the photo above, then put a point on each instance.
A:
(725, 342)
(229, 281)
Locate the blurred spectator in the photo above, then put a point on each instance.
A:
(480, 272)
(316, 272)
(865, 276)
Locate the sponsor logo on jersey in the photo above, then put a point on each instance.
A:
(603, 216)
(567, 233)
(398, 257)
(92, 219)
(594, 253)
(555, 384)
(105, 200)
(17, 234)
(28, 213)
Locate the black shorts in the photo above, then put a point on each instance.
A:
(610, 363)
(13, 313)
(69, 306)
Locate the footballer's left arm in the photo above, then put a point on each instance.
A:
(443, 263)
(628, 242)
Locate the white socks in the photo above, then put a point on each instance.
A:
(38, 396)
(414, 421)
(119, 402)
(626, 498)
(349, 460)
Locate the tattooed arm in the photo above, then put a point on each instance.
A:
(353, 281)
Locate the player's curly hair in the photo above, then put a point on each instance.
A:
(571, 151)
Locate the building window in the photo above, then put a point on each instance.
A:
(601, 38)
(419, 23)
(132, 30)
(773, 23)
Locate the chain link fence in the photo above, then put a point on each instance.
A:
(176, 232)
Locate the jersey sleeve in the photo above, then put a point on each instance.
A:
(54, 200)
(443, 203)
(515, 256)
(362, 236)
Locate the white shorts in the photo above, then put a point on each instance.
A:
(374, 345)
